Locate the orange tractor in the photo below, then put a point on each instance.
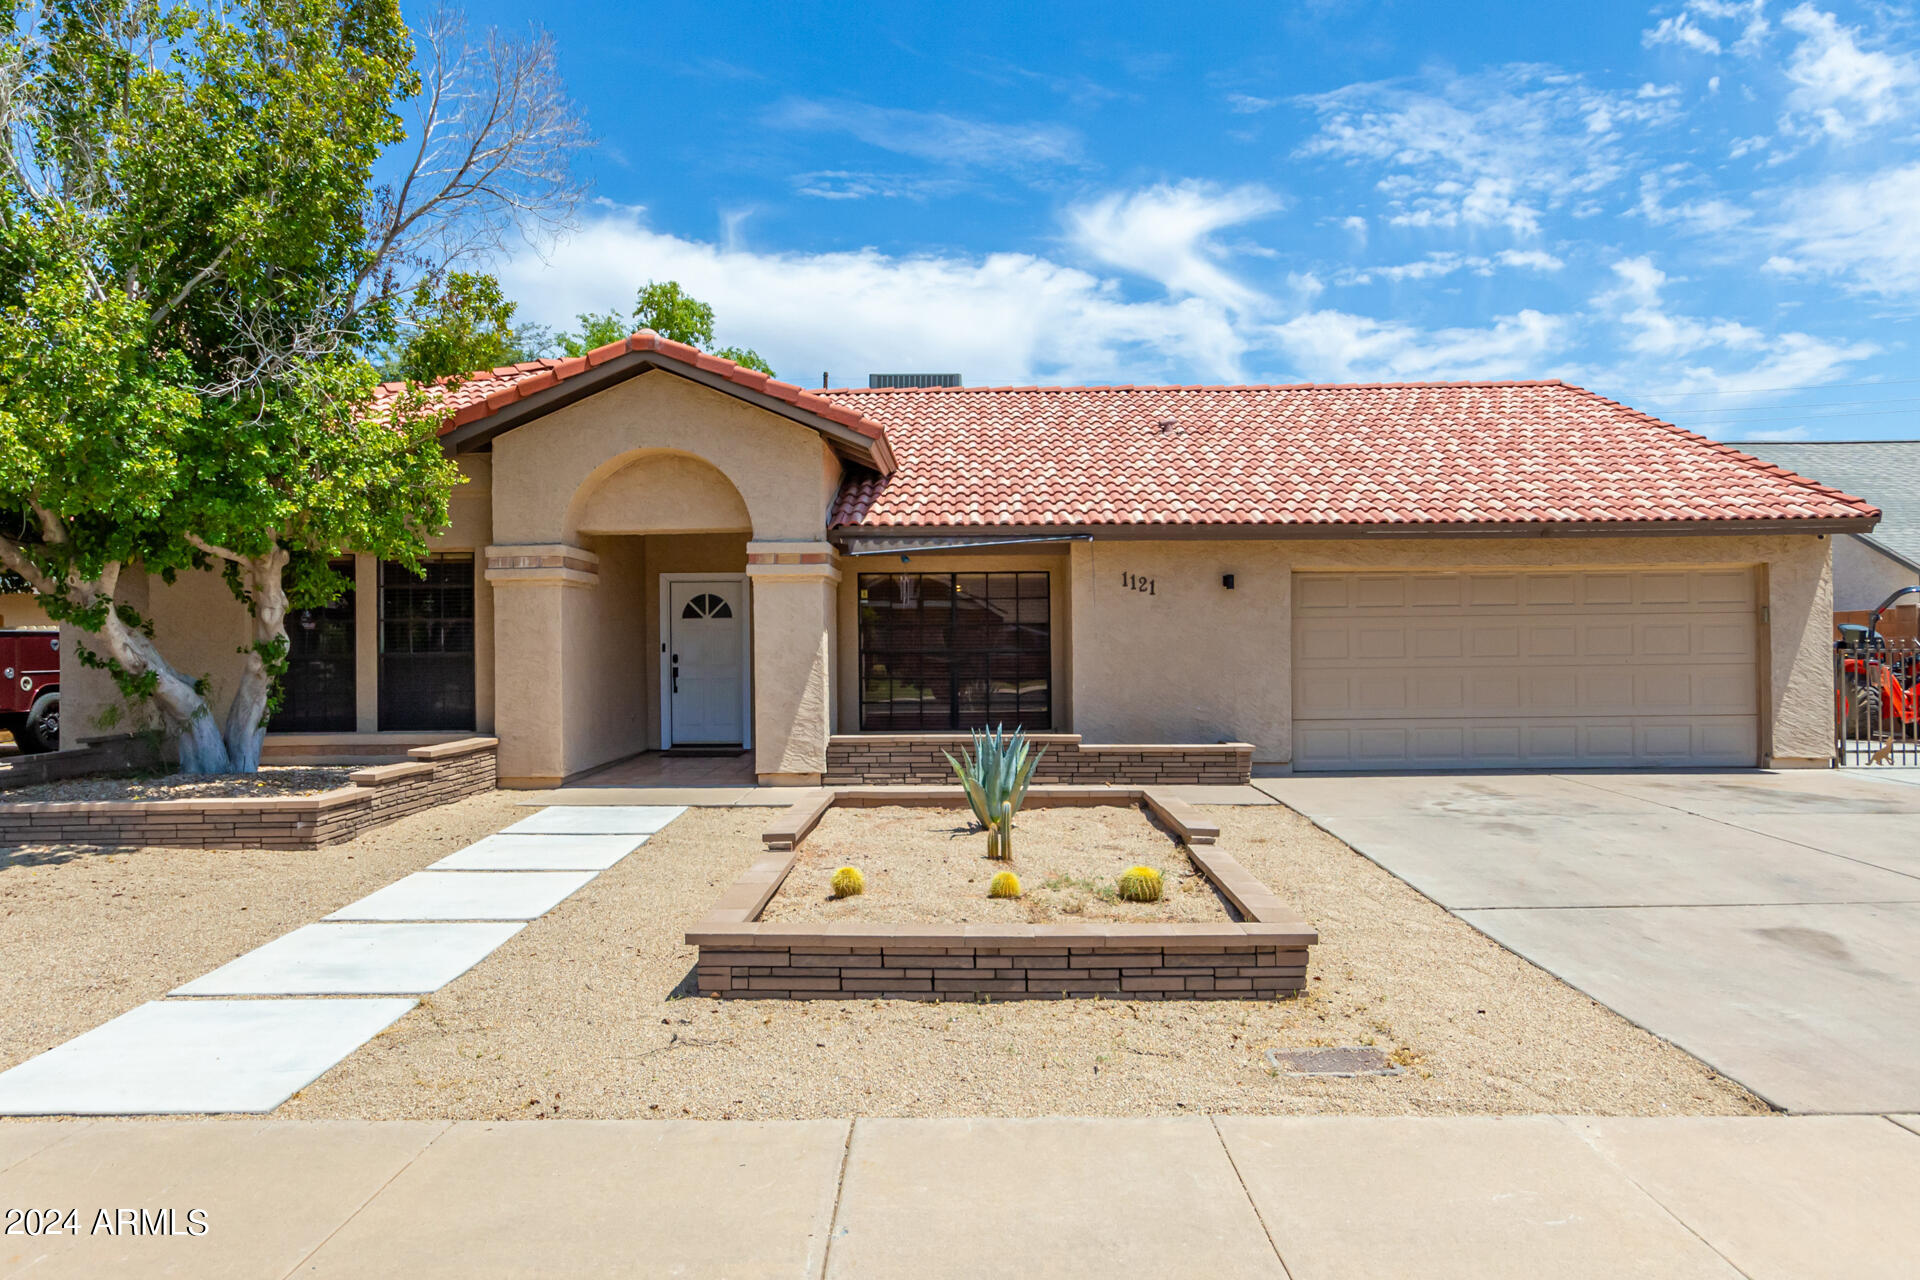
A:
(1879, 688)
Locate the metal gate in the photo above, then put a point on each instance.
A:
(1876, 699)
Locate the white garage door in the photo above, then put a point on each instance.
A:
(1489, 670)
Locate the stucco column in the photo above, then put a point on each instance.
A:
(529, 632)
(794, 586)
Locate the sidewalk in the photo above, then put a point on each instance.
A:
(1233, 1196)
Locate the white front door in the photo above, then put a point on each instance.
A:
(706, 641)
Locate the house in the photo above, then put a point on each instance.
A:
(659, 549)
(1867, 567)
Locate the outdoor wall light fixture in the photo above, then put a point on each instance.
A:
(1226, 580)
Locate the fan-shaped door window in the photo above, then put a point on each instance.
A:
(707, 605)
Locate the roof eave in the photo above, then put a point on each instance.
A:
(1173, 532)
(872, 452)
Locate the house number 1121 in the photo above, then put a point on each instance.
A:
(1137, 582)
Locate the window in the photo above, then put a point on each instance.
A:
(706, 605)
(317, 693)
(955, 651)
(426, 644)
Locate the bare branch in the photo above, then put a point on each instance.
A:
(218, 552)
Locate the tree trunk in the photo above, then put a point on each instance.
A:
(183, 711)
(246, 733)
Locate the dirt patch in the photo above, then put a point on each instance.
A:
(91, 932)
(929, 866)
(586, 1013)
(270, 783)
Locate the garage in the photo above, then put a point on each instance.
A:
(1500, 669)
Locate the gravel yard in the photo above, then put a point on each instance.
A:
(929, 866)
(90, 933)
(585, 1014)
(272, 781)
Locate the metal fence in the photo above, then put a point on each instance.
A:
(1876, 699)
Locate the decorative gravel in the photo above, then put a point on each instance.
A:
(929, 866)
(89, 933)
(587, 1012)
(272, 782)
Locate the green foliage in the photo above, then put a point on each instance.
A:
(1004, 885)
(995, 776)
(464, 325)
(1141, 884)
(667, 309)
(848, 883)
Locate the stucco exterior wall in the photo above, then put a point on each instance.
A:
(22, 609)
(602, 682)
(1192, 661)
(780, 469)
(1055, 564)
(1864, 576)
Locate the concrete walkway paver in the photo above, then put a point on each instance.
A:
(605, 1199)
(1767, 923)
(468, 895)
(189, 1057)
(1476, 1197)
(1015, 1198)
(1774, 1198)
(596, 820)
(541, 853)
(358, 959)
(271, 1193)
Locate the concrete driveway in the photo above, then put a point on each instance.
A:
(1768, 923)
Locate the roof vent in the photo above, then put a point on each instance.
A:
(913, 380)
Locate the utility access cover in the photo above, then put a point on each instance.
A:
(1348, 1060)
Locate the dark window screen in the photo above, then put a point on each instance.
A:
(316, 693)
(426, 644)
(954, 651)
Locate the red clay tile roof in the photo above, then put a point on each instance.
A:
(487, 391)
(1416, 453)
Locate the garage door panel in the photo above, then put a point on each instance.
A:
(1554, 669)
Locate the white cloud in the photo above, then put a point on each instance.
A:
(1246, 104)
(1842, 86)
(1165, 233)
(1001, 317)
(1674, 353)
(1860, 230)
(932, 135)
(1339, 346)
(1679, 29)
(1444, 263)
(1497, 149)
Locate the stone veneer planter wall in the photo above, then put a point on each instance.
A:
(1261, 956)
(917, 757)
(431, 776)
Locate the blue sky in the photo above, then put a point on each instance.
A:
(1706, 208)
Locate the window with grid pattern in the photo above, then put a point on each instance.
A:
(955, 651)
(426, 644)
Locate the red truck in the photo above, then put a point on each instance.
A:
(30, 688)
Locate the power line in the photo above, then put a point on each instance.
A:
(1757, 391)
(1809, 418)
(1818, 404)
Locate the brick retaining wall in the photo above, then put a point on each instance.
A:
(917, 757)
(1259, 957)
(433, 776)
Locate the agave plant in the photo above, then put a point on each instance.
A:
(995, 776)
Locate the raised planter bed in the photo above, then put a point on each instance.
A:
(433, 775)
(1261, 955)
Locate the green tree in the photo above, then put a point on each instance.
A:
(193, 257)
(455, 326)
(668, 310)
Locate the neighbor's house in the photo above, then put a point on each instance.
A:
(658, 548)
(1867, 567)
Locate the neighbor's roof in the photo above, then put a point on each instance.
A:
(1886, 472)
(1459, 453)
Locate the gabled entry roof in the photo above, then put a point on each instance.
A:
(1446, 456)
(489, 401)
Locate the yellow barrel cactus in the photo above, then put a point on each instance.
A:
(1140, 884)
(1004, 885)
(849, 883)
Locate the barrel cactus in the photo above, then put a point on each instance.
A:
(849, 883)
(1140, 884)
(1004, 885)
